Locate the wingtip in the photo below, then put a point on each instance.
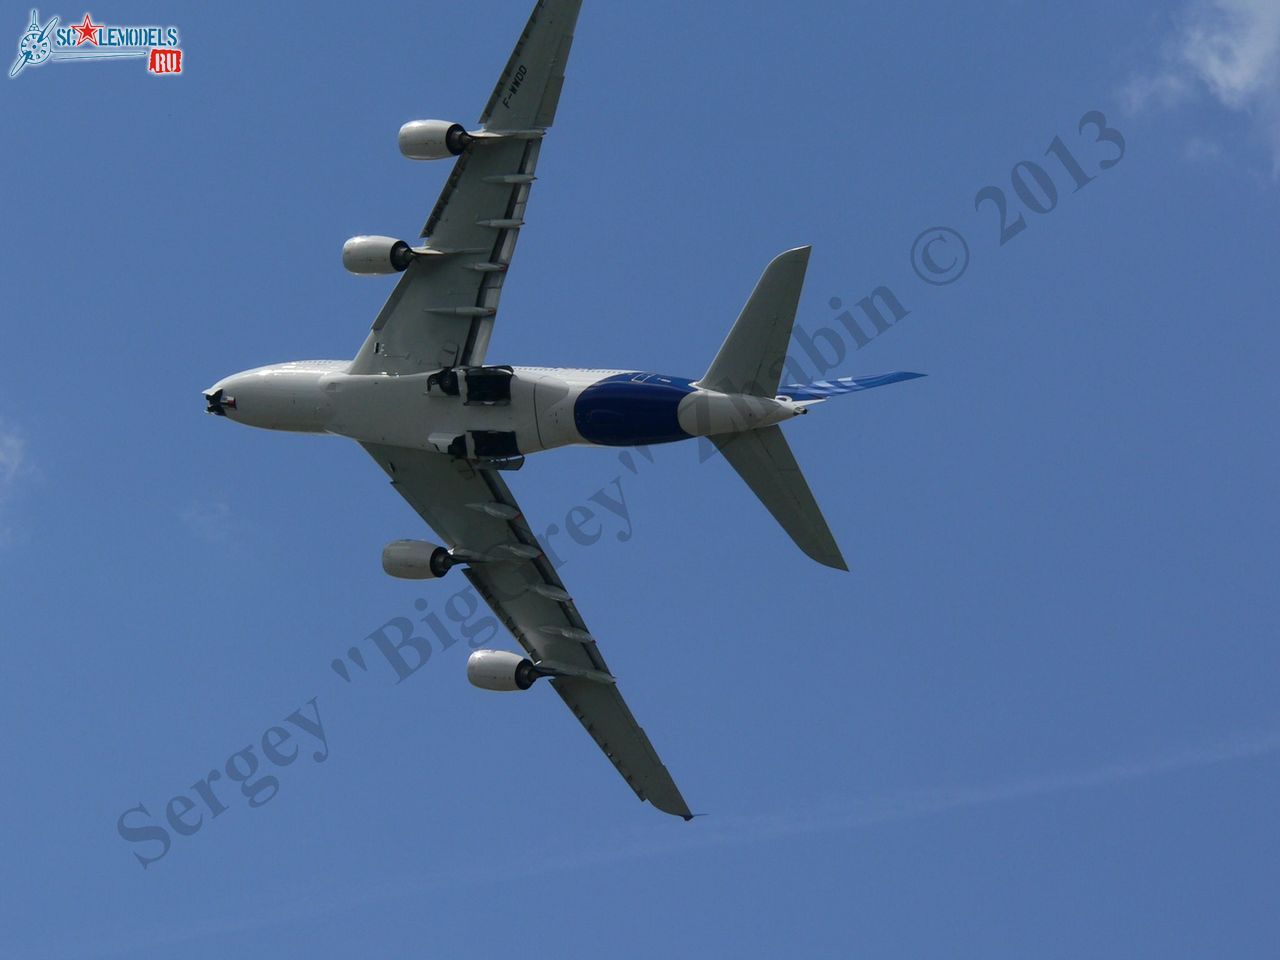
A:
(833, 559)
(673, 804)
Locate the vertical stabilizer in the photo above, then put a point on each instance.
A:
(752, 359)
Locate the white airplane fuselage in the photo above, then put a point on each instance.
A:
(492, 413)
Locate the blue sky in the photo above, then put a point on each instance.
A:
(1038, 718)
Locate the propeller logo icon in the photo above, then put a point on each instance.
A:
(35, 47)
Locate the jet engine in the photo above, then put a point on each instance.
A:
(433, 139)
(501, 671)
(416, 560)
(376, 256)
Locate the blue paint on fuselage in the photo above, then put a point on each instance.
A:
(632, 410)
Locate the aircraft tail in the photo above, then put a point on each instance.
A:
(753, 356)
(763, 459)
(751, 362)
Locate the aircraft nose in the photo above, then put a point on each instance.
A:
(219, 401)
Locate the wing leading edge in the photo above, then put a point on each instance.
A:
(473, 511)
(442, 311)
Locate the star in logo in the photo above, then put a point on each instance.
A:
(88, 31)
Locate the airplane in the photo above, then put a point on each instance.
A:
(445, 425)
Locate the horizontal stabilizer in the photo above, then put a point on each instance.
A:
(826, 389)
(763, 459)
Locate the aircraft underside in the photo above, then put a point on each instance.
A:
(492, 416)
(443, 422)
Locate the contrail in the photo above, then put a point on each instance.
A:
(925, 803)
(827, 817)
(835, 816)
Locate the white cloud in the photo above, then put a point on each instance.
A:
(1202, 150)
(210, 520)
(1234, 47)
(1161, 89)
(13, 451)
(1229, 48)
(13, 467)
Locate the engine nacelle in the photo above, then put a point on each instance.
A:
(501, 671)
(416, 560)
(433, 139)
(376, 256)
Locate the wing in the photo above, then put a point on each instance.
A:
(473, 512)
(442, 310)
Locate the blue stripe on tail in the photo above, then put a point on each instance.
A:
(826, 389)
